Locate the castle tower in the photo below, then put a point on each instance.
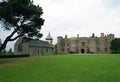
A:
(66, 49)
(60, 49)
(110, 37)
(49, 38)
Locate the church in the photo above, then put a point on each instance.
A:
(92, 44)
(34, 47)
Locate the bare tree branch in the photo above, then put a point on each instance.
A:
(16, 37)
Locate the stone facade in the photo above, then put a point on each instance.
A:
(92, 44)
(33, 47)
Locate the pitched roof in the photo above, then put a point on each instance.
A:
(37, 43)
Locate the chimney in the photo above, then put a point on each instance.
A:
(65, 36)
(78, 35)
(102, 34)
(93, 35)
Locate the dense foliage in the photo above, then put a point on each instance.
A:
(5, 52)
(22, 17)
(115, 45)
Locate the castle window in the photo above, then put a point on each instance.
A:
(38, 52)
(20, 47)
(98, 49)
(52, 50)
(34, 50)
(68, 44)
(83, 43)
(47, 50)
(106, 49)
(42, 52)
(63, 49)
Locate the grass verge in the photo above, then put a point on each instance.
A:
(61, 68)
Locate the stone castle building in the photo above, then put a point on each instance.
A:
(34, 46)
(92, 44)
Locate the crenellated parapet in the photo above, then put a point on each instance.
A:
(92, 44)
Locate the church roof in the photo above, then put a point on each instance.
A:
(37, 43)
(49, 37)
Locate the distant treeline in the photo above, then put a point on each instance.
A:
(115, 46)
(5, 52)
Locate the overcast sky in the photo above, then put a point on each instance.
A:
(83, 17)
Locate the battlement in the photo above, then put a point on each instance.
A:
(92, 44)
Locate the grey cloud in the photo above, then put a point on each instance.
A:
(112, 3)
(56, 1)
(82, 17)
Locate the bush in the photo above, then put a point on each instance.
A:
(115, 46)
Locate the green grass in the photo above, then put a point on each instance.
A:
(61, 68)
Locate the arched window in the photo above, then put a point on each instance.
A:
(19, 47)
(106, 49)
(47, 50)
(83, 44)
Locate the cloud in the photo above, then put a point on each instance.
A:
(82, 17)
(112, 3)
(56, 1)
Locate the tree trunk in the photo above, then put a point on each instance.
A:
(3, 46)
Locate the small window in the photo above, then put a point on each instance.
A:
(106, 49)
(98, 49)
(20, 47)
(63, 49)
(83, 43)
(47, 50)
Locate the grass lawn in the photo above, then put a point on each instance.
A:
(61, 68)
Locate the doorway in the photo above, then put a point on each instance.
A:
(82, 51)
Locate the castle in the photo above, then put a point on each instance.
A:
(92, 44)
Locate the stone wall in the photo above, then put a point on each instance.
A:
(22, 47)
(90, 44)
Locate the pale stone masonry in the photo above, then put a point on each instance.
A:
(92, 44)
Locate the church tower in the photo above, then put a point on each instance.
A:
(49, 38)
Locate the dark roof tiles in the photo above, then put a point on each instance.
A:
(37, 43)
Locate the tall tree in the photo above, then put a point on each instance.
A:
(115, 45)
(22, 17)
(10, 51)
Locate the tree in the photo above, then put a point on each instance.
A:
(10, 51)
(115, 45)
(4, 52)
(21, 17)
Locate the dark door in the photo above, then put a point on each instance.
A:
(82, 51)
